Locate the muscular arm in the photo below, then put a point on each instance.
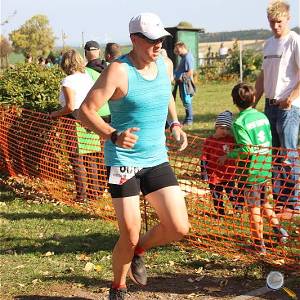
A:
(106, 87)
(112, 84)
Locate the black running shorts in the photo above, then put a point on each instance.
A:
(146, 180)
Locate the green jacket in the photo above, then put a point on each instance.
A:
(253, 136)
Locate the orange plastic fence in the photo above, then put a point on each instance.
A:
(62, 159)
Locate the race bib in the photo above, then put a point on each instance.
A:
(119, 175)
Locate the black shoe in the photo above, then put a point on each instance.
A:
(137, 271)
(117, 294)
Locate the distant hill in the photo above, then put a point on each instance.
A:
(254, 34)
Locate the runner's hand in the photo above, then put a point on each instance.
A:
(127, 138)
(180, 137)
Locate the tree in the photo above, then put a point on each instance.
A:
(185, 24)
(5, 50)
(34, 37)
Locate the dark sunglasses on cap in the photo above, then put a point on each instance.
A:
(150, 41)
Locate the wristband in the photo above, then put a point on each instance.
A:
(173, 124)
(114, 136)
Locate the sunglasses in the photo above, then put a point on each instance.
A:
(150, 41)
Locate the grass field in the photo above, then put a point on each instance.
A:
(49, 249)
(210, 100)
(17, 57)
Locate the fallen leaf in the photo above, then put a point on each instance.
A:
(21, 284)
(236, 258)
(45, 273)
(35, 281)
(171, 263)
(199, 278)
(49, 253)
(83, 257)
(89, 267)
(199, 270)
(20, 267)
(279, 262)
(98, 268)
(212, 289)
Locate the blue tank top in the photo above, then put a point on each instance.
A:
(145, 106)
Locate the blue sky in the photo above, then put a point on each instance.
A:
(108, 20)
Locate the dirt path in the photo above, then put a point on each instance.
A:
(176, 288)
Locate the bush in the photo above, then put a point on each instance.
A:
(31, 86)
(218, 69)
(252, 62)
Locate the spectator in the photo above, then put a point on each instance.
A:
(92, 54)
(184, 72)
(112, 51)
(74, 89)
(279, 80)
(220, 177)
(254, 157)
(223, 51)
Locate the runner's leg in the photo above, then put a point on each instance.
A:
(170, 207)
(129, 221)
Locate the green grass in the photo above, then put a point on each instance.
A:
(209, 101)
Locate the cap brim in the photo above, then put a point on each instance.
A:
(157, 35)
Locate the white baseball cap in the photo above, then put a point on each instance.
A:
(149, 25)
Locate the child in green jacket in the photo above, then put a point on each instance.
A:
(253, 136)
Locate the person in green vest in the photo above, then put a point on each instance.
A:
(94, 68)
(253, 157)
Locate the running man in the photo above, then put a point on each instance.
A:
(139, 88)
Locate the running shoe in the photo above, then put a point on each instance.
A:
(282, 235)
(137, 271)
(117, 294)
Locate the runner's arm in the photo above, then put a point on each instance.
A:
(104, 88)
